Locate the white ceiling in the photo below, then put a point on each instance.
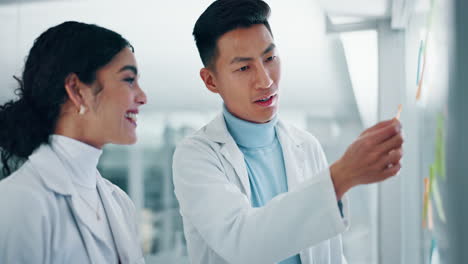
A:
(358, 8)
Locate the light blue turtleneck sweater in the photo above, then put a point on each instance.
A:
(264, 160)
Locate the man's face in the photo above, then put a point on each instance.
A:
(246, 73)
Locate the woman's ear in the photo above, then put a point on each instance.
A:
(209, 79)
(75, 91)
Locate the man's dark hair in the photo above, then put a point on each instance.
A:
(223, 16)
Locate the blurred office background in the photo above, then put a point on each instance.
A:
(345, 66)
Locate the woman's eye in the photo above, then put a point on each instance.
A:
(130, 80)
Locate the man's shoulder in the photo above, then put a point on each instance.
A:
(307, 142)
(212, 133)
(198, 137)
(299, 135)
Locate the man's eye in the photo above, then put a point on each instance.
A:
(271, 58)
(244, 68)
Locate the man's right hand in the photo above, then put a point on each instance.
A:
(373, 157)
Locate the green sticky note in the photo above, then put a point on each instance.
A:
(436, 165)
(438, 200)
(442, 162)
(440, 148)
(432, 173)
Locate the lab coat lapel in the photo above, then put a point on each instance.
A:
(234, 156)
(123, 239)
(218, 132)
(85, 216)
(82, 223)
(57, 177)
(293, 154)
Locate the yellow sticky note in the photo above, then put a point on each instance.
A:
(397, 116)
(430, 218)
(421, 76)
(425, 202)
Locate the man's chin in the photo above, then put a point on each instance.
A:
(265, 118)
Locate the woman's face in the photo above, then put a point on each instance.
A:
(113, 102)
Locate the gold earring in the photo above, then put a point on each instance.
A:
(82, 110)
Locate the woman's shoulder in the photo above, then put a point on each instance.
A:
(23, 181)
(23, 196)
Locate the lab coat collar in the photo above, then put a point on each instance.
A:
(291, 144)
(217, 131)
(56, 177)
(52, 171)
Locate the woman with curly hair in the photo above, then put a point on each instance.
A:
(79, 91)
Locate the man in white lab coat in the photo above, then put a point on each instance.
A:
(251, 188)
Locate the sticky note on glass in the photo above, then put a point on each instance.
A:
(425, 202)
(432, 175)
(430, 218)
(440, 147)
(418, 73)
(438, 200)
(421, 77)
(400, 108)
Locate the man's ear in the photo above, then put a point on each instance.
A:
(209, 79)
(74, 88)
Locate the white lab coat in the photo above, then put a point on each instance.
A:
(212, 186)
(44, 221)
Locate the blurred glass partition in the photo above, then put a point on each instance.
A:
(144, 171)
(361, 53)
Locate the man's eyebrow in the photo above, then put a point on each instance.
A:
(270, 48)
(243, 59)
